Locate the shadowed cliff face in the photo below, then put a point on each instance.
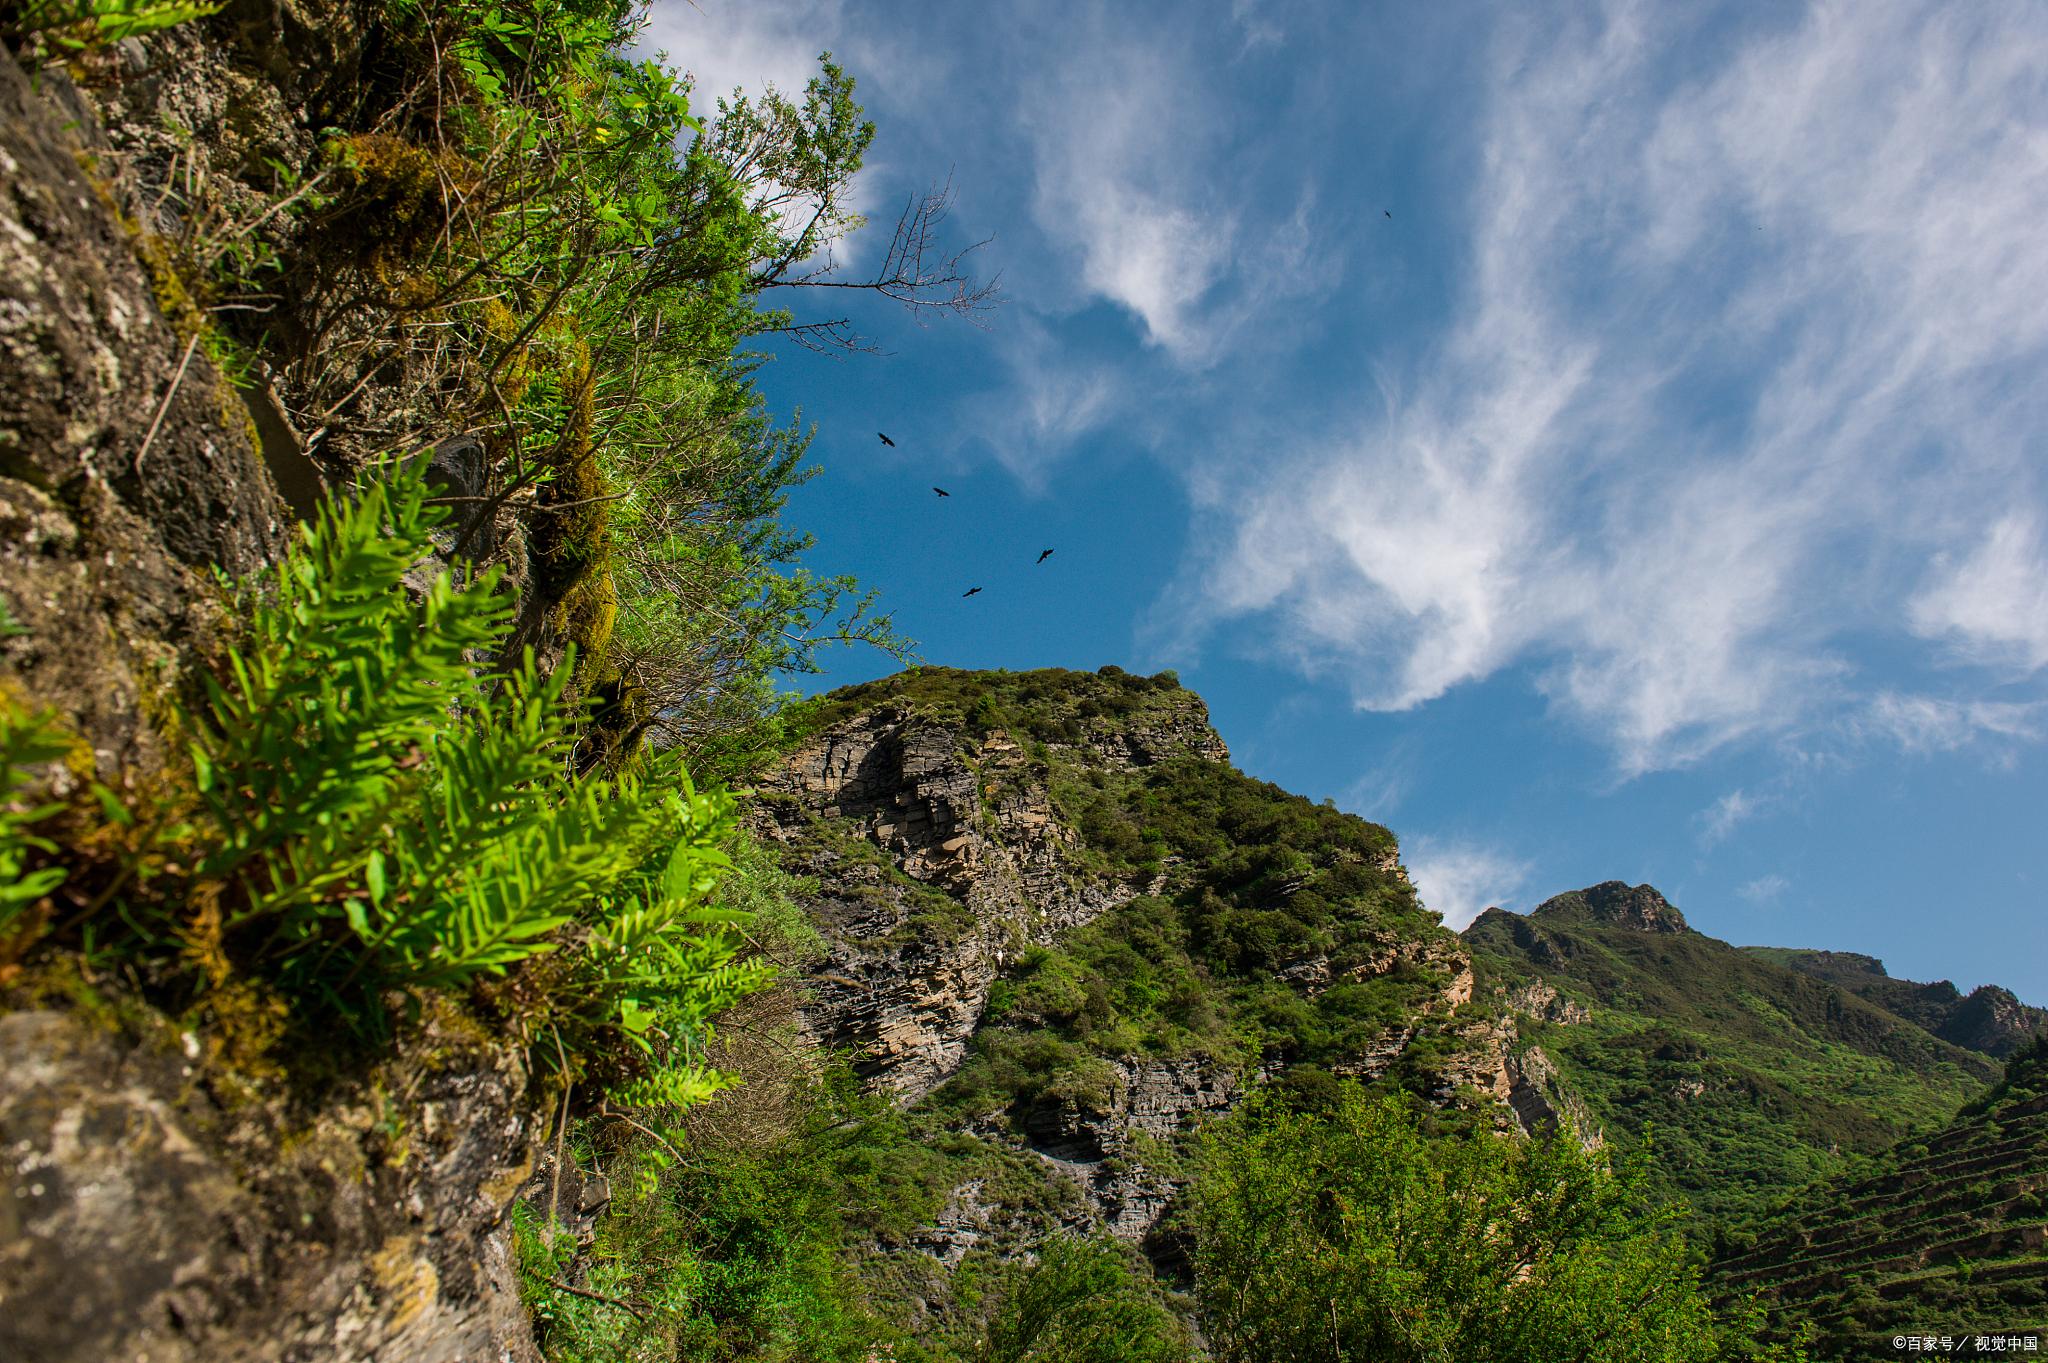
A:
(1989, 1018)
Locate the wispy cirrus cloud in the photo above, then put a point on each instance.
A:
(1991, 599)
(1765, 889)
(1722, 817)
(1744, 359)
(1931, 724)
(1117, 131)
(737, 45)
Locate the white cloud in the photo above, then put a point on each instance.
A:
(729, 45)
(1117, 133)
(1259, 30)
(733, 47)
(1049, 400)
(1928, 724)
(1993, 602)
(1461, 880)
(1667, 461)
(1379, 792)
(1764, 889)
(1720, 819)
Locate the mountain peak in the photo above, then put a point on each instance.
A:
(1640, 907)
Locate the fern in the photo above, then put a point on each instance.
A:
(387, 815)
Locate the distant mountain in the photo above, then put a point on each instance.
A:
(1989, 1018)
(1753, 1076)
(1947, 1235)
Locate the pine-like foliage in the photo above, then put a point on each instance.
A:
(382, 813)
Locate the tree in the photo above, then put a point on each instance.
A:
(1347, 1233)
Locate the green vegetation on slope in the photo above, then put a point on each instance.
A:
(725, 1249)
(1256, 882)
(1988, 1019)
(1348, 1229)
(1753, 1077)
(1945, 1235)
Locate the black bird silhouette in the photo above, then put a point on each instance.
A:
(1382, 210)
(886, 440)
(969, 592)
(1044, 554)
(942, 492)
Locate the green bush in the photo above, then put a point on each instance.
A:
(1081, 1303)
(1329, 1225)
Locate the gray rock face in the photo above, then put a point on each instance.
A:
(125, 463)
(887, 797)
(992, 868)
(143, 1220)
(1110, 1151)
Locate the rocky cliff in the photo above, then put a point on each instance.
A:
(1061, 924)
(940, 855)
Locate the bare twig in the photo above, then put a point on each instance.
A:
(165, 406)
(625, 1306)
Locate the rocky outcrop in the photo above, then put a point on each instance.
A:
(1111, 1149)
(940, 854)
(937, 858)
(1495, 1058)
(147, 1217)
(126, 466)
(1992, 1019)
(1639, 907)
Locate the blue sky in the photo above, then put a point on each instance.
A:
(1659, 493)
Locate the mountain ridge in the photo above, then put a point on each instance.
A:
(1756, 1077)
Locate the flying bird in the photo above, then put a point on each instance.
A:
(1383, 211)
(886, 440)
(1044, 554)
(942, 492)
(969, 592)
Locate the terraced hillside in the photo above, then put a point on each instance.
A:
(1942, 1236)
(1754, 1077)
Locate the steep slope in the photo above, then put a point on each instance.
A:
(1062, 927)
(1945, 1236)
(1989, 1018)
(1754, 1077)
